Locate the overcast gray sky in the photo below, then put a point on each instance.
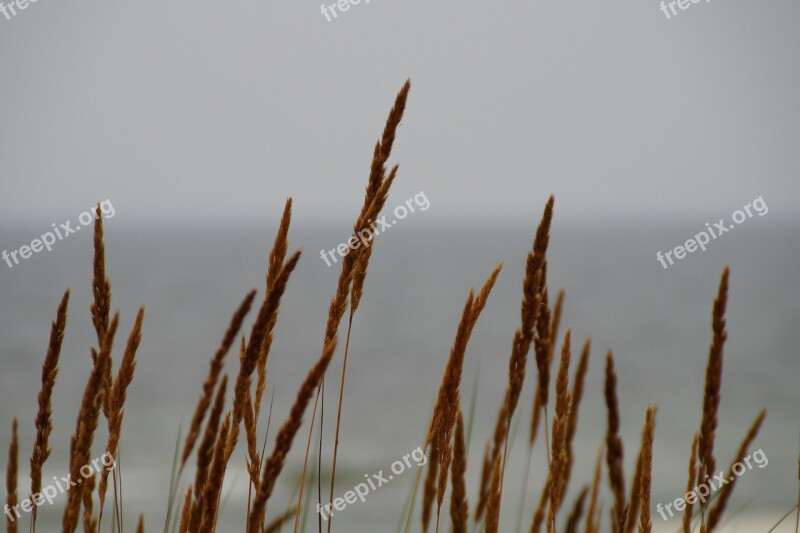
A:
(197, 108)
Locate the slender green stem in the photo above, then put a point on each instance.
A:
(784, 517)
(173, 479)
(524, 489)
(305, 464)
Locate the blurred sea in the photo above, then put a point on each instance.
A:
(192, 277)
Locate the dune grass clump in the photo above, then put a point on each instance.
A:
(227, 402)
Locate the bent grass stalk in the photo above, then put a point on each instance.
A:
(43, 422)
(377, 179)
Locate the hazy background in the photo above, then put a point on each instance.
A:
(198, 119)
(207, 109)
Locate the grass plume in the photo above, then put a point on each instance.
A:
(215, 369)
(614, 448)
(448, 402)
(377, 179)
(118, 395)
(687, 512)
(459, 508)
(646, 470)
(81, 444)
(43, 422)
(716, 512)
(11, 476)
(708, 426)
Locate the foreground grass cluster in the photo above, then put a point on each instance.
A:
(216, 424)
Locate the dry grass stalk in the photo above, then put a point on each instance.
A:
(373, 205)
(614, 450)
(429, 489)
(101, 306)
(253, 459)
(283, 441)
(532, 295)
(540, 350)
(633, 502)
(551, 346)
(536, 415)
(574, 519)
(369, 211)
(523, 337)
(483, 488)
(448, 401)
(217, 362)
(261, 332)
(383, 148)
(552, 490)
(81, 443)
(687, 512)
(572, 420)
(205, 453)
(117, 402)
(715, 513)
(624, 517)
(558, 460)
(389, 132)
(11, 477)
(43, 423)
(338, 305)
(448, 398)
(375, 199)
(275, 525)
(554, 326)
(300, 492)
(276, 259)
(544, 346)
(541, 341)
(647, 469)
(336, 311)
(493, 505)
(359, 276)
(591, 525)
(376, 180)
(577, 388)
(216, 477)
(277, 255)
(459, 508)
(708, 426)
(101, 288)
(90, 524)
(186, 514)
(600, 509)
